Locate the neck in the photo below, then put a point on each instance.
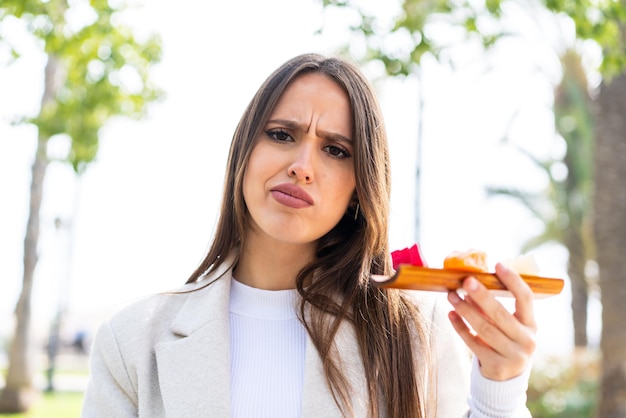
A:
(270, 264)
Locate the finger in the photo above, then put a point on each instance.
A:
(471, 339)
(486, 329)
(493, 364)
(467, 298)
(522, 293)
(494, 315)
(484, 352)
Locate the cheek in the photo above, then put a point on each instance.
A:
(262, 161)
(345, 188)
(251, 188)
(245, 188)
(253, 171)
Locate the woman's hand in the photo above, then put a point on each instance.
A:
(502, 342)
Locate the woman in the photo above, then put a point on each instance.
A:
(280, 320)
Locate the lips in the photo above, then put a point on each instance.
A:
(291, 195)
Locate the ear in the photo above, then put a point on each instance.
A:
(354, 200)
(354, 207)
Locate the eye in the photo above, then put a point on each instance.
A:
(337, 152)
(279, 135)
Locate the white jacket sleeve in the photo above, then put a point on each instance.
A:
(494, 399)
(110, 392)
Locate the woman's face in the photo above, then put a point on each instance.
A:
(300, 177)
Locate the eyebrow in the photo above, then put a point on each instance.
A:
(324, 134)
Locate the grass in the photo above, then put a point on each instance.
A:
(67, 401)
(565, 387)
(54, 405)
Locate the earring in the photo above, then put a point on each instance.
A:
(356, 212)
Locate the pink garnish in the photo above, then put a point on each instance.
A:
(411, 255)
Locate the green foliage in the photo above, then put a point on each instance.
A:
(599, 21)
(565, 387)
(414, 20)
(96, 69)
(602, 22)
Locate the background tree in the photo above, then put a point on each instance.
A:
(564, 208)
(610, 234)
(96, 69)
(605, 22)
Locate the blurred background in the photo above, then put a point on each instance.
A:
(115, 122)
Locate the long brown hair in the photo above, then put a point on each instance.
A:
(335, 287)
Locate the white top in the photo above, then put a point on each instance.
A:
(267, 353)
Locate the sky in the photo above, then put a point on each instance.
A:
(140, 219)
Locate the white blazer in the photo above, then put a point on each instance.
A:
(169, 355)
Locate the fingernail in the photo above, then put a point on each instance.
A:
(501, 268)
(454, 298)
(471, 284)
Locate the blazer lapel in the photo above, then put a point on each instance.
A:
(194, 370)
(317, 399)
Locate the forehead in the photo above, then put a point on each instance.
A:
(315, 96)
(314, 83)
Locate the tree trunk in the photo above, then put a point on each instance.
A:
(610, 235)
(578, 283)
(572, 101)
(19, 391)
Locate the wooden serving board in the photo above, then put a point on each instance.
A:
(439, 280)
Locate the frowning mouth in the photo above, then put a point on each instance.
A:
(291, 195)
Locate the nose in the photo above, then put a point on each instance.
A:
(302, 166)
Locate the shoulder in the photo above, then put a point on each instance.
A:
(154, 318)
(158, 310)
(148, 309)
